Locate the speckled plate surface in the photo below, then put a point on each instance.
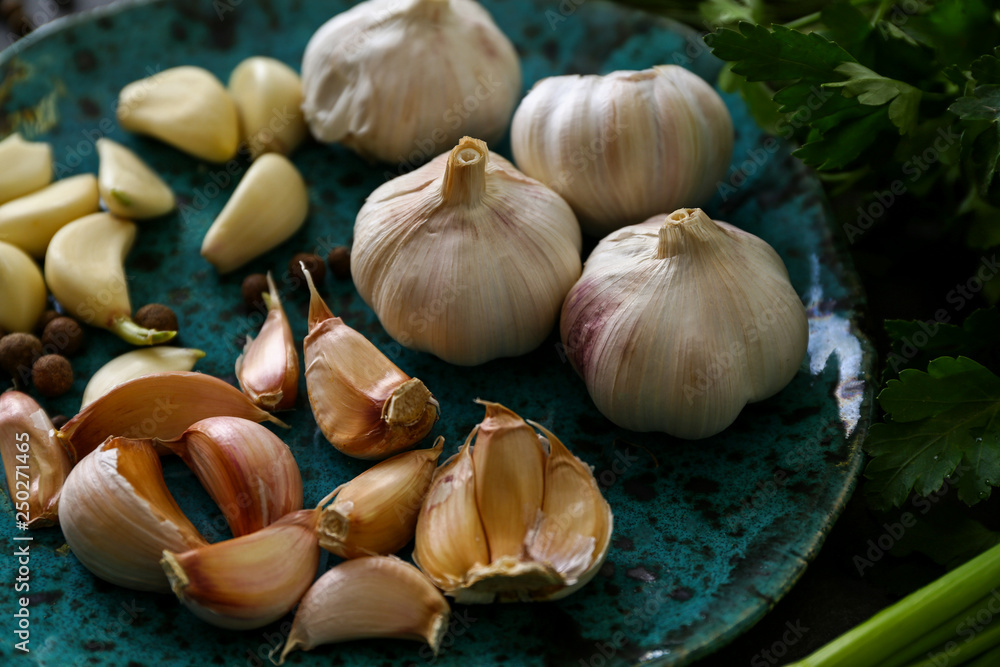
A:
(707, 535)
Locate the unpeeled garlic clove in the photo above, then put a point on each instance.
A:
(21, 306)
(137, 363)
(128, 186)
(248, 581)
(34, 167)
(160, 405)
(510, 521)
(31, 221)
(34, 460)
(268, 369)
(375, 596)
(186, 107)
(84, 268)
(742, 338)
(363, 403)
(118, 516)
(376, 512)
(268, 96)
(247, 470)
(268, 206)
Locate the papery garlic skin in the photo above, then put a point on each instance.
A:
(401, 81)
(128, 186)
(34, 167)
(466, 258)
(186, 107)
(364, 404)
(249, 581)
(118, 516)
(268, 206)
(31, 221)
(510, 521)
(371, 597)
(624, 146)
(680, 321)
(34, 460)
(268, 369)
(135, 364)
(268, 96)
(24, 304)
(376, 512)
(246, 469)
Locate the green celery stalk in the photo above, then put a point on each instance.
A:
(897, 627)
(942, 633)
(988, 659)
(982, 642)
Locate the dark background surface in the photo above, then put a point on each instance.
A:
(908, 265)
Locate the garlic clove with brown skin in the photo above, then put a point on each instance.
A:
(638, 143)
(268, 96)
(118, 516)
(466, 257)
(510, 521)
(34, 460)
(135, 364)
(246, 469)
(362, 89)
(268, 369)
(375, 596)
(249, 581)
(363, 403)
(647, 369)
(376, 512)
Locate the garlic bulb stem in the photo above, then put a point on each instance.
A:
(465, 174)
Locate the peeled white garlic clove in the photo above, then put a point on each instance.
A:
(34, 167)
(118, 516)
(135, 364)
(34, 460)
(268, 206)
(466, 257)
(128, 186)
(624, 146)
(31, 221)
(160, 405)
(402, 81)
(268, 96)
(186, 107)
(680, 321)
(376, 596)
(84, 268)
(364, 404)
(248, 581)
(508, 520)
(247, 470)
(21, 306)
(376, 512)
(268, 369)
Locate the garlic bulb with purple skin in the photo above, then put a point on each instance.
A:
(624, 146)
(680, 321)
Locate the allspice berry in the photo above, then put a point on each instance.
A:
(52, 375)
(59, 421)
(63, 335)
(253, 287)
(18, 352)
(312, 262)
(44, 320)
(339, 260)
(156, 316)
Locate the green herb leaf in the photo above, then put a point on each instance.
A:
(871, 89)
(986, 69)
(979, 114)
(945, 534)
(779, 54)
(944, 423)
(916, 343)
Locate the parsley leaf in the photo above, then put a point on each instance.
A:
(872, 89)
(944, 423)
(778, 53)
(916, 343)
(981, 140)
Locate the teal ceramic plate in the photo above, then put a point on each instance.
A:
(708, 535)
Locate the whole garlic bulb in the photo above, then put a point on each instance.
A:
(401, 81)
(680, 321)
(466, 257)
(622, 147)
